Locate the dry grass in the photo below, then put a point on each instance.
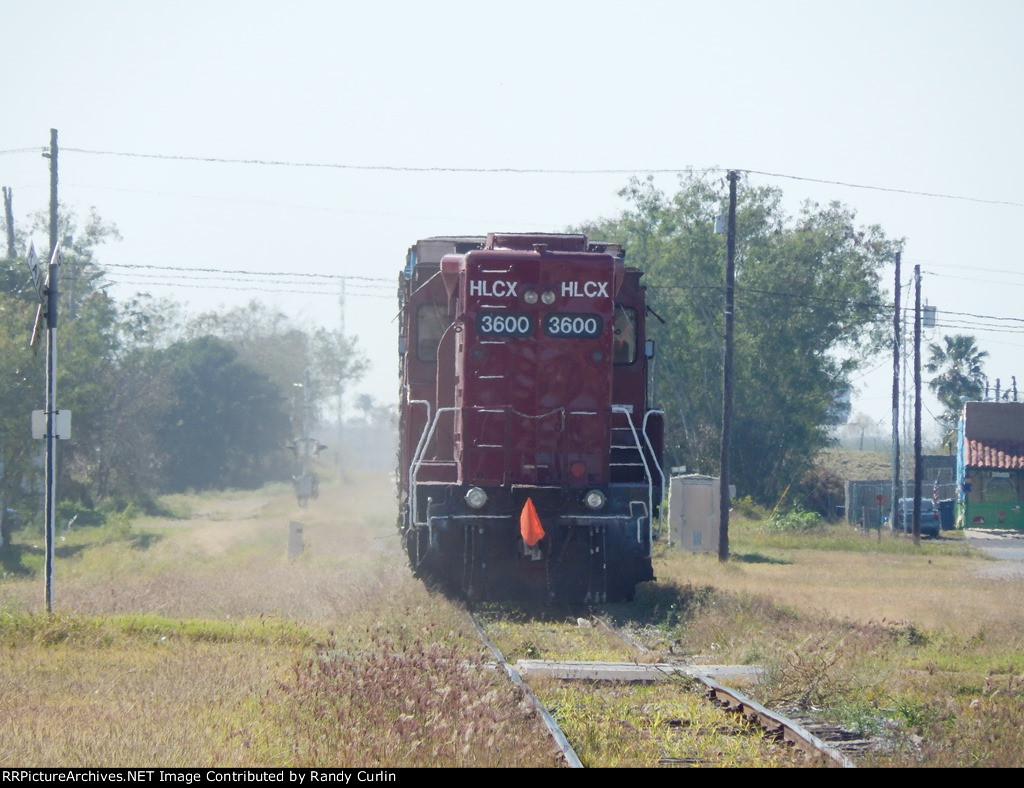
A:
(926, 587)
(919, 647)
(417, 704)
(196, 641)
(76, 695)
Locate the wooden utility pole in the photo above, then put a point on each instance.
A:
(50, 295)
(730, 286)
(9, 215)
(897, 335)
(918, 470)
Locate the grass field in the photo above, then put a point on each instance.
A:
(194, 640)
(919, 646)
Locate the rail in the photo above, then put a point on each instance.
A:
(571, 758)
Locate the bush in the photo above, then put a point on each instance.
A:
(749, 508)
(796, 519)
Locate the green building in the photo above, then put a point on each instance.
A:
(990, 465)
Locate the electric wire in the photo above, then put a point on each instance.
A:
(247, 289)
(890, 189)
(528, 171)
(883, 309)
(249, 271)
(393, 167)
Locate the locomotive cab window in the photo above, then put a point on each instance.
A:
(624, 335)
(431, 322)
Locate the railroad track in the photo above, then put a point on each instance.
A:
(775, 726)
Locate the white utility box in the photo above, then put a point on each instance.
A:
(694, 507)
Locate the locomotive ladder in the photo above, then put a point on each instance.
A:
(637, 457)
(429, 428)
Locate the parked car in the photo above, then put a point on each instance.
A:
(930, 524)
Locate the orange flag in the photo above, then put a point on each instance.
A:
(529, 524)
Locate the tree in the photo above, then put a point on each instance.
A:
(808, 311)
(224, 424)
(160, 401)
(270, 342)
(957, 366)
(21, 391)
(87, 339)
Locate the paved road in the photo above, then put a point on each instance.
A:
(1007, 547)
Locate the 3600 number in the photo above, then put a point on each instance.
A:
(505, 325)
(574, 326)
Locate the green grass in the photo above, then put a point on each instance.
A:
(759, 535)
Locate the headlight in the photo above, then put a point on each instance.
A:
(475, 498)
(594, 499)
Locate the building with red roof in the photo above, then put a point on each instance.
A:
(990, 465)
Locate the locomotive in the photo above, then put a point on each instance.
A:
(530, 461)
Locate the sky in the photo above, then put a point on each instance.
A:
(354, 120)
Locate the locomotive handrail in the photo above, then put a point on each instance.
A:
(639, 522)
(423, 433)
(654, 458)
(627, 411)
(417, 461)
(419, 448)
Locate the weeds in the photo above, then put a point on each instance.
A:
(811, 673)
(664, 724)
(418, 704)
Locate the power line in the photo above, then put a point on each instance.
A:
(393, 167)
(975, 279)
(534, 171)
(982, 317)
(248, 272)
(894, 190)
(358, 287)
(962, 267)
(247, 289)
(882, 309)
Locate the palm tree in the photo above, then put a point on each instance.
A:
(958, 377)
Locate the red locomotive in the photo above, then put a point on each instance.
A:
(530, 461)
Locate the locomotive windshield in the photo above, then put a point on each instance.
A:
(431, 321)
(625, 335)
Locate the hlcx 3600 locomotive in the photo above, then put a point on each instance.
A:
(530, 461)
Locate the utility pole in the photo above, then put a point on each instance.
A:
(918, 470)
(896, 335)
(9, 215)
(50, 293)
(730, 286)
(341, 380)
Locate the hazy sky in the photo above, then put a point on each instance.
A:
(916, 96)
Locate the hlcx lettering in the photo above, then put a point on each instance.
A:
(589, 289)
(481, 288)
(498, 289)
